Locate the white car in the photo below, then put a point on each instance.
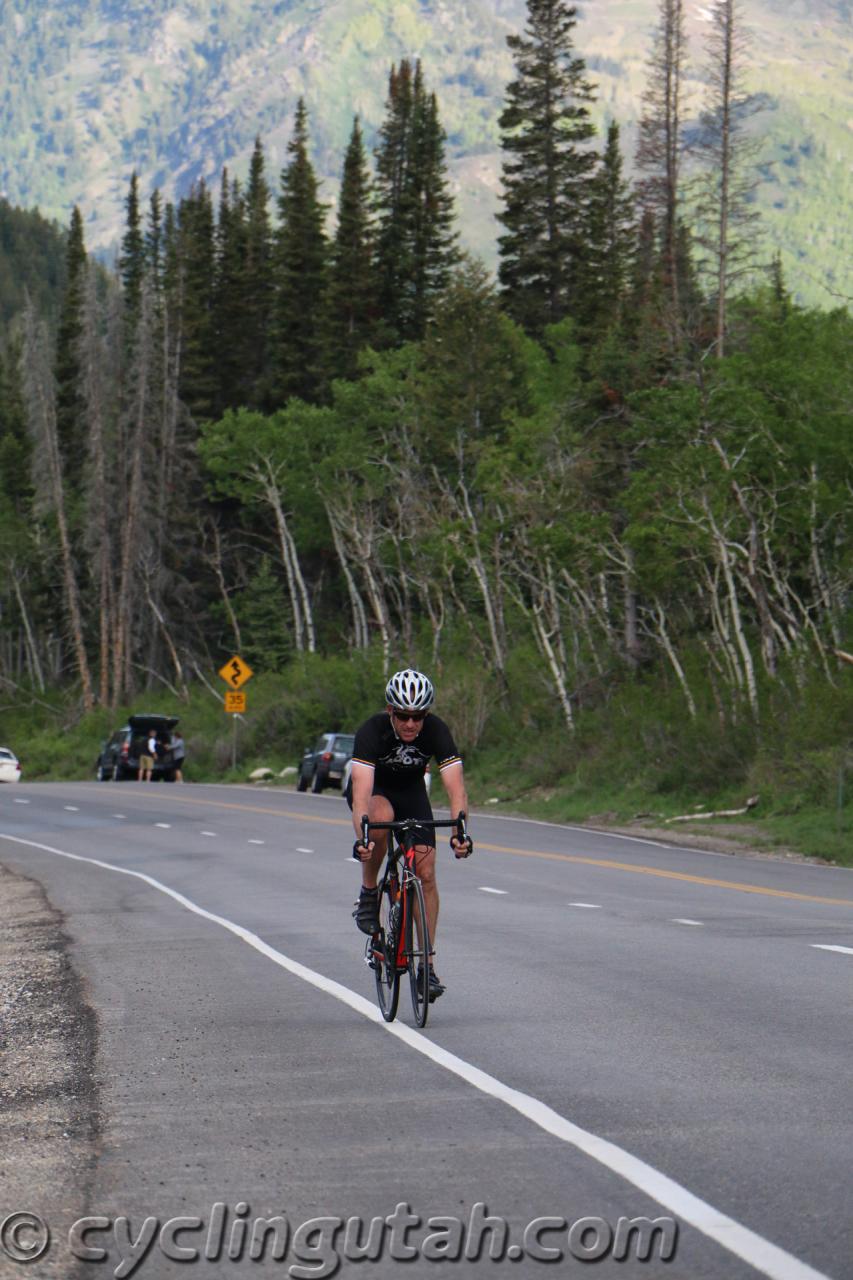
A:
(10, 769)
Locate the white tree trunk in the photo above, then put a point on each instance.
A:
(359, 617)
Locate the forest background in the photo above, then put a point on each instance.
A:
(605, 498)
(175, 89)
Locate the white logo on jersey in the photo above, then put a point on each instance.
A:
(405, 756)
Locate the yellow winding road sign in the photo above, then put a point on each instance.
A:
(236, 672)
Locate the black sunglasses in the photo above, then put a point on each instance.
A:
(403, 716)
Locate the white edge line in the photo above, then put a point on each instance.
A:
(683, 920)
(484, 888)
(825, 946)
(167, 826)
(590, 906)
(759, 1253)
(257, 842)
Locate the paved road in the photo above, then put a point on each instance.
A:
(630, 1030)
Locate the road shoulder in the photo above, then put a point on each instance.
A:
(49, 1112)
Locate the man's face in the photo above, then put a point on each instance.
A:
(406, 726)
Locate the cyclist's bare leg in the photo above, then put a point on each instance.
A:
(378, 810)
(425, 867)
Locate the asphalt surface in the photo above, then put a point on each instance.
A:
(630, 1030)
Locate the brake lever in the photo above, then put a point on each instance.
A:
(462, 836)
(365, 837)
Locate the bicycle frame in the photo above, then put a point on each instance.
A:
(399, 873)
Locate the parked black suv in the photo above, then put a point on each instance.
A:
(119, 758)
(323, 764)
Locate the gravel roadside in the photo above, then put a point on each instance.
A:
(48, 1089)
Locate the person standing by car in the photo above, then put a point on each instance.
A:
(179, 753)
(389, 759)
(147, 758)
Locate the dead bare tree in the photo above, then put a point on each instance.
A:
(137, 503)
(357, 531)
(655, 624)
(33, 659)
(661, 144)
(98, 400)
(212, 539)
(728, 156)
(40, 399)
(269, 477)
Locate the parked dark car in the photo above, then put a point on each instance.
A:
(119, 758)
(323, 764)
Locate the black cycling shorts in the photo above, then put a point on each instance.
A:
(408, 801)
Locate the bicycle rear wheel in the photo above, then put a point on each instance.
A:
(385, 951)
(417, 951)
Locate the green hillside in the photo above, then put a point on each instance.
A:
(93, 89)
(32, 263)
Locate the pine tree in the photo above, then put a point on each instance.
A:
(416, 243)
(644, 332)
(393, 247)
(778, 287)
(545, 125)
(610, 238)
(300, 266)
(70, 408)
(15, 445)
(262, 610)
(256, 287)
(131, 261)
(661, 146)
(725, 211)
(476, 380)
(198, 376)
(228, 297)
(172, 289)
(154, 243)
(351, 297)
(434, 250)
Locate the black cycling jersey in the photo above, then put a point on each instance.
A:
(398, 764)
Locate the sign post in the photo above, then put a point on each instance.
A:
(235, 673)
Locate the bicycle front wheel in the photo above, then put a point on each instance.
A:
(385, 951)
(417, 950)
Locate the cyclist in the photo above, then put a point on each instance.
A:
(390, 755)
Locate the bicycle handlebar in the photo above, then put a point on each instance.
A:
(412, 824)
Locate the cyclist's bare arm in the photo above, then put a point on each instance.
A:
(453, 777)
(362, 790)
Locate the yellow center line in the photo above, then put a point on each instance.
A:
(608, 863)
(639, 869)
(255, 808)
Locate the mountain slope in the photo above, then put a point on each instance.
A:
(94, 89)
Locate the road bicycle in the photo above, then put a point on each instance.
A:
(401, 944)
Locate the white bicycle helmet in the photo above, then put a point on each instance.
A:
(409, 691)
